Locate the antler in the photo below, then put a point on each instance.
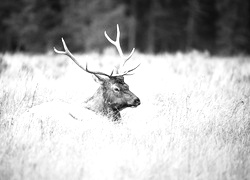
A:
(116, 43)
(69, 54)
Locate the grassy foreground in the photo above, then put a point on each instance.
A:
(193, 123)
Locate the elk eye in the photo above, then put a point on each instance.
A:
(116, 89)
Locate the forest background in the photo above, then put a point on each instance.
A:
(152, 26)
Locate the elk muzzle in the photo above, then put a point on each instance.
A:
(137, 102)
(134, 102)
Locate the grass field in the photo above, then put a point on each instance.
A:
(193, 121)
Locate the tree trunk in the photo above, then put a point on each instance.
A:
(132, 27)
(151, 29)
(191, 34)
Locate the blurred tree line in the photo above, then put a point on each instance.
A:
(149, 25)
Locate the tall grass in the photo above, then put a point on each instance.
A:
(193, 122)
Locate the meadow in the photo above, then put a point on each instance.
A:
(193, 121)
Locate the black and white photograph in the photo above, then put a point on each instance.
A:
(124, 89)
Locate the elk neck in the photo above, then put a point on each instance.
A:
(99, 105)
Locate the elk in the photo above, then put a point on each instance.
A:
(113, 95)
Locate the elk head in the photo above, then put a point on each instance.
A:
(113, 95)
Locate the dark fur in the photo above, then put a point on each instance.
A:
(111, 97)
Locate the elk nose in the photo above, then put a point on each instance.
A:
(137, 102)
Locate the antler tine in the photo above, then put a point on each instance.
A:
(117, 44)
(128, 71)
(69, 54)
(130, 55)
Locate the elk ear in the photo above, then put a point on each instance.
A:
(99, 79)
